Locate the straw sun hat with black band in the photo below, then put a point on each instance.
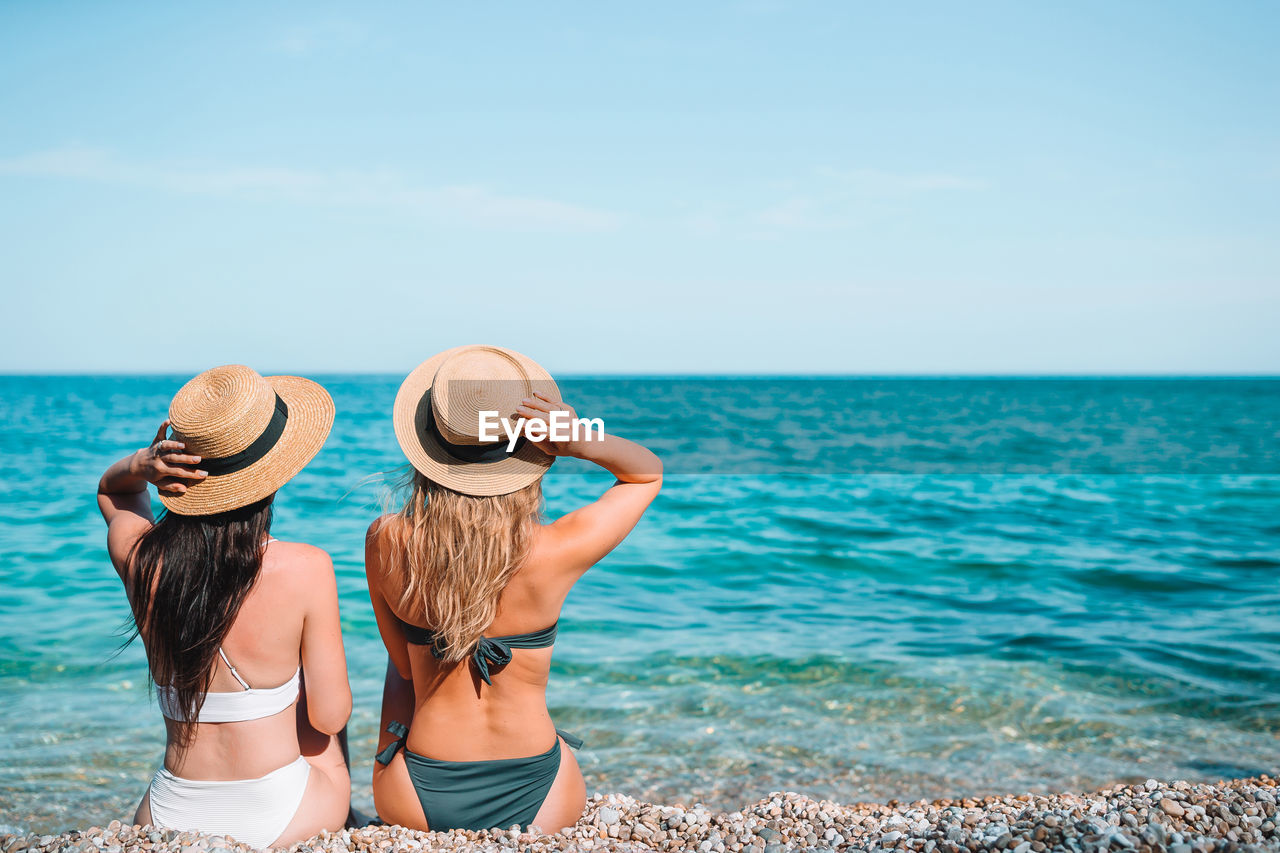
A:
(252, 433)
(437, 419)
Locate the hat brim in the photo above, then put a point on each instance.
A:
(425, 453)
(311, 413)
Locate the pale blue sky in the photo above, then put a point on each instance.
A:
(700, 187)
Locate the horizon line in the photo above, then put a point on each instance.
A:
(113, 374)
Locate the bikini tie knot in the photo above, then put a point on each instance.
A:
(491, 653)
(401, 731)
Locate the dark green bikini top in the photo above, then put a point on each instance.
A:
(490, 651)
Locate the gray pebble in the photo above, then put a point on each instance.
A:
(1173, 817)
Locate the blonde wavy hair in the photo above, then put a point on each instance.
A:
(455, 554)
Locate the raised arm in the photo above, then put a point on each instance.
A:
(122, 491)
(586, 535)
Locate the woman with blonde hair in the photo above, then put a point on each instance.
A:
(241, 630)
(467, 586)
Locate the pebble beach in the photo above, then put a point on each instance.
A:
(1178, 817)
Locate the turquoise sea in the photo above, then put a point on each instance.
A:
(853, 588)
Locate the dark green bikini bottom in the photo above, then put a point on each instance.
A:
(500, 793)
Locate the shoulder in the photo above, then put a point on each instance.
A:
(301, 553)
(548, 549)
(300, 563)
(297, 577)
(554, 535)
(383, 527)
(382, 533)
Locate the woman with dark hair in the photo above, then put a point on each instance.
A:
(241, 630)
(467, 585)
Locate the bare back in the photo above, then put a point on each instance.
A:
(289, 617)
(458, 717)
(264, 644)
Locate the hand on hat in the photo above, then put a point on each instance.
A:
(539, 408)
(164, 465)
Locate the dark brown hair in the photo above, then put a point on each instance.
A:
(190, 574)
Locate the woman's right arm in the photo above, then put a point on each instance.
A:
(324, 659)
(583, 537)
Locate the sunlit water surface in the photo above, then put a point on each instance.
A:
(943, 587)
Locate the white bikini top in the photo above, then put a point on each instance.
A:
(248, 704)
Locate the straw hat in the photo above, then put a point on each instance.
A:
(437, 419)
(252, 433)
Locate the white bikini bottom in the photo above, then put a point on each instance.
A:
(254, 811)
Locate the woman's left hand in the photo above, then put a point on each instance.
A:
(165, 465)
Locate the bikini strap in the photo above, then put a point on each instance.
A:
(401, 731)
(231, 667)
(490, 652)
(573, 741)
